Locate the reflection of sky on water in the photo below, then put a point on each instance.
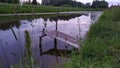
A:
(70, 26)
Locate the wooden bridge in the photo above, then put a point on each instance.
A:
(64, 38)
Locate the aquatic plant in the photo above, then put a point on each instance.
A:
(28, 61)
(27, 44)
(28, 52)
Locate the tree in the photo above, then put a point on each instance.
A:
(57, 2)
(79, 4)
(29, 1)
(87, 5)
(99, 4)
(45, 2)
(2, 0)
(72, 3)
(34, 2)
(53, 2)
(14, 1)
(10, 1)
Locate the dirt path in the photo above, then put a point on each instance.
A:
(75, 12)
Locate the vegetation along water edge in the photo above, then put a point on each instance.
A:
(6, 8)
(101, 48)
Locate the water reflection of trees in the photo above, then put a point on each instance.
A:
(5, 26)
(64, 17)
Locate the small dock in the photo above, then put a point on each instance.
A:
(64, 38)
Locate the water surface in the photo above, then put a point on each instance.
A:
(48, 51)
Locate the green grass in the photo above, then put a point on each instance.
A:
(16, 8)
(101, 48)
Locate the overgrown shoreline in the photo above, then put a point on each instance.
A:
(25, 8)
(102, 46)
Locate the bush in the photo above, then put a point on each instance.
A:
(66, 5)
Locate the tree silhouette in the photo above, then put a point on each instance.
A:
(34, 2)
(99, 4)
(10, 1)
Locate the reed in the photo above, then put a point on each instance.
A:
(28, 52)
(28, 61)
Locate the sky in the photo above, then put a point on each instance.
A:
(109, 1)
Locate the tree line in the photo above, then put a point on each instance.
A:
(66, 3)
(18, 1)
(74, 3)
(99, 4)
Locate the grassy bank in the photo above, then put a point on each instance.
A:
(16, 8)
(102, 46)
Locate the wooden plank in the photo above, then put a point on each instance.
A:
(63, 37)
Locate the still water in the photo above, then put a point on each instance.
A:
(46, 50)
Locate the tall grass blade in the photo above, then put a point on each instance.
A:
(28, 44)
(27, 48)
(20, 47)
(13, 32)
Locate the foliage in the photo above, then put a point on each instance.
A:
(100, 4)
(34, 2)
(101, 48)
(56, 2)
(62, 2)
(88, 5)
(73, 3)
(28, 45)
(25, 8)
(10, 1)
(66, 5)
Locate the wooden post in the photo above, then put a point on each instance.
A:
(40, 45)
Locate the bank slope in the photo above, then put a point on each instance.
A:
(102, 46)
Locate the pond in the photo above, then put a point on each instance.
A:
(49, 52)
